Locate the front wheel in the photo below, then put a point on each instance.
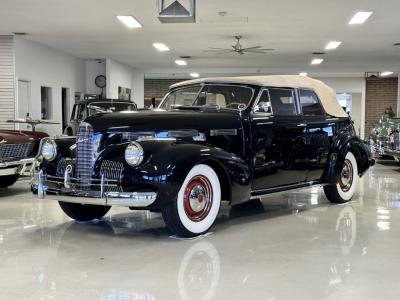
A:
(197, 204)
(84, 213)
(343, 191)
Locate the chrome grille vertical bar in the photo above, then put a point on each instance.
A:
(85, 153)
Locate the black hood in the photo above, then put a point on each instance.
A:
(164, 120)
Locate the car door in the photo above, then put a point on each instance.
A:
(278, 140)
(320, 130)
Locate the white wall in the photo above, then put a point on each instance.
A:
(44, 66)
(94, 69)
(125, 76)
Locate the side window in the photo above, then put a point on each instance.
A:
(263, 105)
(310, 103)
(74, 111)
(283, 102)
(82, 112)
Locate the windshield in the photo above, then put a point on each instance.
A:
(220, 96)
(100, 107)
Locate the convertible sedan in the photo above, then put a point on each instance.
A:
(210, 140)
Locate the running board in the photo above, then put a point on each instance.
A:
(258, 193)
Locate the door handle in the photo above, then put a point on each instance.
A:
(302, 125)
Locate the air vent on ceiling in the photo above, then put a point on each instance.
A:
(20, 33)
(318, 53)
(176, 12)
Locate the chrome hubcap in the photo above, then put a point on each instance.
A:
(197, 198)
(346, 177)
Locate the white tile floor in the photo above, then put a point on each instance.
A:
(291, 246)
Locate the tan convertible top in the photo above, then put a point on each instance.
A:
(326, 94)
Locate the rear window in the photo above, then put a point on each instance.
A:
(310, 104)
(283, 102)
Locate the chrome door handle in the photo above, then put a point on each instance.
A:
(302, 125)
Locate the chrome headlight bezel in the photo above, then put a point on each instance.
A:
(134, 154)
(49, 150)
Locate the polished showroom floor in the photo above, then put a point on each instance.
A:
(291, 246)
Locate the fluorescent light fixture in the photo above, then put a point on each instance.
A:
(360, 17)
(129, 21)
(303, 73)
(161, 47)
(181, 62)
(332, 45)
(316, 61)
(194, 75)
(386, 73)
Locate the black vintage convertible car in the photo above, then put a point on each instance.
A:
(210, 140)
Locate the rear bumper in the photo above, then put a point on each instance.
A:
(66, 192)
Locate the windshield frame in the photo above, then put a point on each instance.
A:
(91, 105)
(202, 85)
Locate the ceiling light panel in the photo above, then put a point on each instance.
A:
(386, 73)
(303, 73)
(129, 21)
(317, 61)
(360, 17)
(194, 75)
(180, 62)
(333, 45)
(161, 47)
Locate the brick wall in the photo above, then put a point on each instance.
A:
(380, 94)
(157, 87)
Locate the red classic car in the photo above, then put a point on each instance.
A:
(18, 150)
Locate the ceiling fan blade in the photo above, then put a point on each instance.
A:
(250, 48)
(219, 51)
(258, 50)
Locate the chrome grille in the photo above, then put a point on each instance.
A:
(62, 165)
(84, 153)
(15, 150)
(112, 171)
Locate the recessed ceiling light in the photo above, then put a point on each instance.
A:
(316, 61)
(194, 75)
(161, 47)
(386, 73)
(129, 21)
(180, 62)
(360, 17)
(332, 45)
(303, 73)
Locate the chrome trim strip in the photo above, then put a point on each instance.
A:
(9, 171)
(17, 162)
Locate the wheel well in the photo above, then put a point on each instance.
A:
(226, 191)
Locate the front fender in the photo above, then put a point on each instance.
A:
(166, 165)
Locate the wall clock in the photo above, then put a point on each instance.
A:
(100, 81)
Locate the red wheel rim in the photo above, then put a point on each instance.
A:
(346, 176)
(197, 198)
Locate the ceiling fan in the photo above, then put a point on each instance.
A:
(238, 48)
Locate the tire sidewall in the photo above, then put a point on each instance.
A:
(208, 221)
(346, 196)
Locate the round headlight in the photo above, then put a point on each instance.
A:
(134, 154)
(49, 150)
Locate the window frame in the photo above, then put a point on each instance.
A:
(324, 114)
(294, 94)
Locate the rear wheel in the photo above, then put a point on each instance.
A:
(197, 204)
(6, 181)
(343, 191)
(83, 213)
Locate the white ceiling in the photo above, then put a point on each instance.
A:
(89, 29)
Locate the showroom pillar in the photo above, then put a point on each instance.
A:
(7, 81)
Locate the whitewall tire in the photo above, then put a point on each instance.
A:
(197, 204)
(344, 190)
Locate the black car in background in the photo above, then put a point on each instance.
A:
(210, 140)
(86, 108)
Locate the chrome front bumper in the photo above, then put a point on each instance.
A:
(16, 167)
(102, 197)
